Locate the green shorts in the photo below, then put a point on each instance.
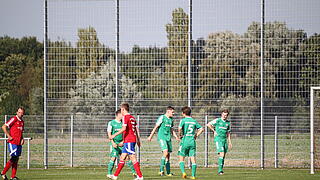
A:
(165, 145)
(187, 150)
(221, 146)
(115, 152)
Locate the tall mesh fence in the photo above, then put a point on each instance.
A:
(155, 53)
(316, 127)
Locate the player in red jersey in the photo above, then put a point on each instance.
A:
(15, 142)
(131, 137)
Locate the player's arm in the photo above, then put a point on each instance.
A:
(209, 125)
(229, 140)
(5, 130)
(119, 132)
(174, 134)
(180, 133)
(153, 132)
(112, 142)
(200, 130)
(138, 136)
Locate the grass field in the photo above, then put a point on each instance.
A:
(151, 173)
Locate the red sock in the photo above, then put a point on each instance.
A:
(137, 168)
(7, 167)
(120, 166)
(14, 169)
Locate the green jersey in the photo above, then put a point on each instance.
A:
(222, 127)
(189, 127)
(165, 124)
(113, 127)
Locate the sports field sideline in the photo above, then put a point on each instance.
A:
(151, 173)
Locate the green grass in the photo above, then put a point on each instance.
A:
(151, 173)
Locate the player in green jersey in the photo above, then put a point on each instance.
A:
(189, 130)
(164, 125)
(116, 144)
(222, 138)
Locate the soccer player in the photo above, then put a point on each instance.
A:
(15, 142)
(221, 128)
(189, 129)
(117, 143)
(131, 137)
(164, 125)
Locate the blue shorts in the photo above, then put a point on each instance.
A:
(129, 148)
(14, 150)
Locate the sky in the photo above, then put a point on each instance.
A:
(143, 22)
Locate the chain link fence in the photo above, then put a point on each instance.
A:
(155, 53)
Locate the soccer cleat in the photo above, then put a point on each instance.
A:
(161, 173)
(192, 177)
(220, 173)
(109, 176)
(15, 178)
(134, 174)
(184, 175)
(141, 178)
(4, 177)
(171, 174)
(113, 177)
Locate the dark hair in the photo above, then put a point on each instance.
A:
(22, 108)
(118, 112)
(170, 108)
(186, 110)
(125, 106)
(225, 111)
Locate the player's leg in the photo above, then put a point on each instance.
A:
(124, 154)
(220, 146)
(164, 149)
(192, 155)
(136, 165)
(15, 167)
(12, 149)
(130, 164)
(130, 149)
(182, 154)
(15, 157)
(167, 164)
(114, 154)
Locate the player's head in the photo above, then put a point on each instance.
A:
(186, 111)
(118, 114)
(224, 114)
(170, 111)
(20, 112)
(124, 108)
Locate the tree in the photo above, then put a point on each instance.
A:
(176, 67)
(90, 52)
(94, 95)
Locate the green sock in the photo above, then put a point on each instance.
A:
(162, 164)
(181, 164)
(194, 169)
(110, 166)
(220, 164)
(131, 167)
(168, 167)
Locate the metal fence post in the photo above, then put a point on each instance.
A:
(261, 86)
(117, 53)
(71, 141)
(28, 154)
(206, 142)
(5, 144)
(276, 142)
(138, 150)
(45, 33)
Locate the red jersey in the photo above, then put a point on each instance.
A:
(129, 135)
(16, 126)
